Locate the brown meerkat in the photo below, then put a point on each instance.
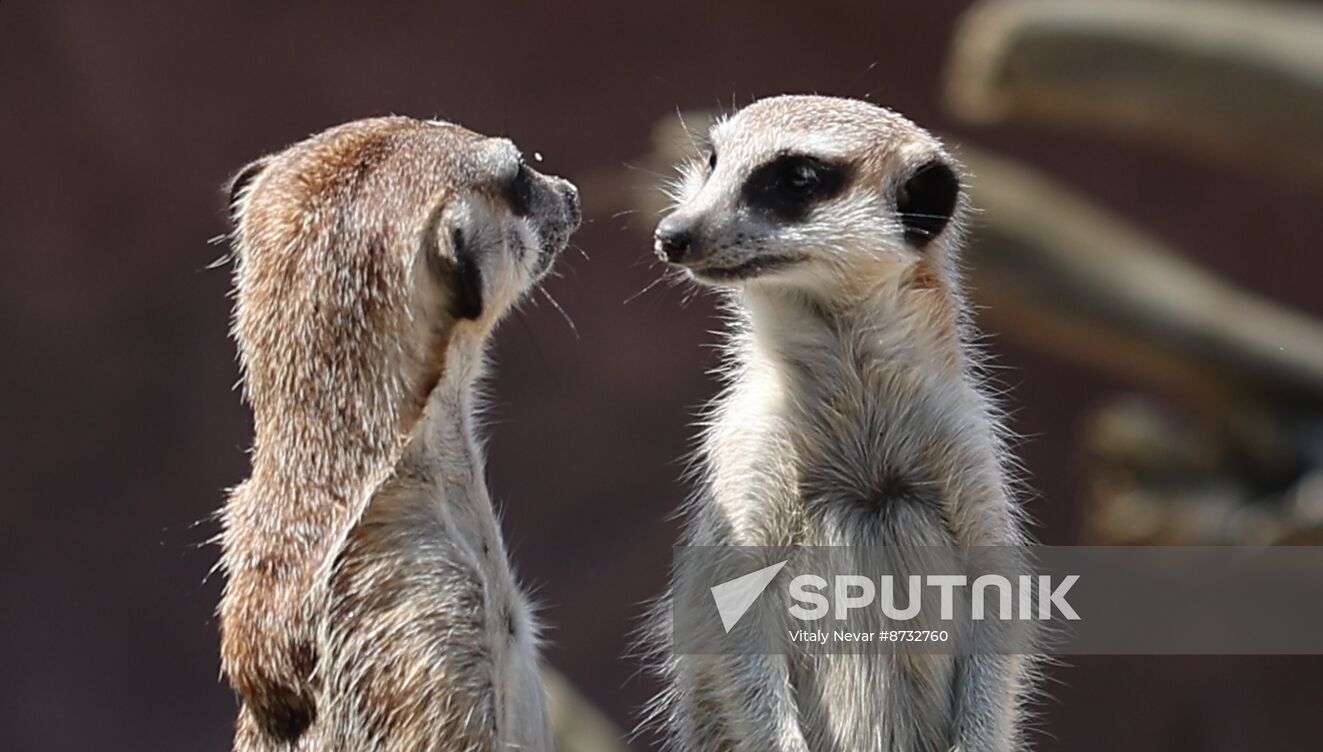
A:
(852, 416)
(369, 603)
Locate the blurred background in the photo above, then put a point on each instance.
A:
(1146, 265)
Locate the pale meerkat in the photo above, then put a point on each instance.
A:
(369, 602)
(852, 415)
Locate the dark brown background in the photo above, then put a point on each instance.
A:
(120, 121)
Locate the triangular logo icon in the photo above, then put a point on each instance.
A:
(734, 597)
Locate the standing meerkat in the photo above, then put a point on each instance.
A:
(852, 416)
(369, 603)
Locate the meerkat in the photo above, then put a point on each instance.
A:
(369, 601)
(852, 415)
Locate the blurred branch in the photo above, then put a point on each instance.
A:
(1056, 269)
(577, 724)
(1161, 476)
(1242, 467)
(1239, 81)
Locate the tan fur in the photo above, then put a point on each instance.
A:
(853, 416)
(369, 603)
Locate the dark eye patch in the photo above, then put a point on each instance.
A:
(789, 186)
(926, 201)
(519, 192)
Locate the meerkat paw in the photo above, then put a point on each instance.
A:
(268, 655)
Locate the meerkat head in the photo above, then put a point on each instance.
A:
(812, 192)
(361, 251)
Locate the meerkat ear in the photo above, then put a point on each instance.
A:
(452, 244)
(466, 285)
(236, 190)
(926, 201)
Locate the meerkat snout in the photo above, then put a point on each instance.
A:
(673, 238)
(551, 203)
(810, 191)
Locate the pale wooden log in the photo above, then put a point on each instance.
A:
(1052, 267)
(1239, 81)
(576, 723)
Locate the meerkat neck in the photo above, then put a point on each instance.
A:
(856, 396)
(325, 444)
(443, 442)
(892, 326)
(348, 447)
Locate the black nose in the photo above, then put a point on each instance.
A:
(571, 194)
(674, 237)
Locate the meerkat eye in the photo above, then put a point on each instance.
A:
(789, 186)
(801, 176)
(519, 192)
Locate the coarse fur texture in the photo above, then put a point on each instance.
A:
(369, 602)
(852, 415)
